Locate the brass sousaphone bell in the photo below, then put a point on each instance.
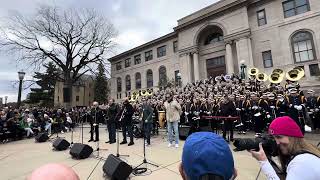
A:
(294, 75)
(275, 78)
(149, 92)
(278, 71)
(253, 71)
(262, 77)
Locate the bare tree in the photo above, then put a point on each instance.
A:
(75, 40)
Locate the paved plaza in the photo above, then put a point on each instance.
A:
(18, 159)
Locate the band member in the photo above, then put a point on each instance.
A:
(281, 106)
(96, 118)
(228, 109)
(127, 124)
(147, 120)
(112, 112)
(241, 107)
(312, 108)
(256, 114)
(296, 105)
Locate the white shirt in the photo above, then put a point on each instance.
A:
(304, 166)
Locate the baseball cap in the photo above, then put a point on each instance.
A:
(207, 153)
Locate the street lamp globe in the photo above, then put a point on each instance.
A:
(21, 75)
(242, 61)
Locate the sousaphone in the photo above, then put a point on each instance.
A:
(275, 78)
(294, 75)
(262, 77)
(253, 71)
(300, 70)
(279, 71)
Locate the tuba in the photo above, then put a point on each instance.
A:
(143, 93)
(300, 70)
(262, 77)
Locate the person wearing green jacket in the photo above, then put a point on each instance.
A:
(147, 113)
(25, 125)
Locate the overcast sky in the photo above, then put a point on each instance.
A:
(137, 21)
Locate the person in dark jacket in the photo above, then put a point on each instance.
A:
(228, 109)
(96, 118)
(112, 113)
(147, 113)
(127, 122)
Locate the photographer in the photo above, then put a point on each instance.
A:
(298, 159)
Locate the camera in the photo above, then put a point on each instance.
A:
(268, 143)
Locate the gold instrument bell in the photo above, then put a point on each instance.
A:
(278, 71)
(149, 92)
(253, 71)
(143, 93)
(300, 70)
(262, 77)
(275, 78)
(294, 75)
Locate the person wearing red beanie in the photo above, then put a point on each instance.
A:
(298, 158)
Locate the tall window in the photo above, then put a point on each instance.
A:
(295, 7)
(138, 80)
(128, 83)
(149, 78)
(213, 38)
(118, 66)
(119, 86)
(262, 19)
(303, 46)
(267, 59)
(127, 62)
(161, 51)
(148, 55)
(137, 59)
(314, 70)
(162, 76)
(175, 46)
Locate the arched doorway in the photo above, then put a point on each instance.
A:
(212, 50)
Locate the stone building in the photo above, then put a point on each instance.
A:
(82, 93)
(265, 34)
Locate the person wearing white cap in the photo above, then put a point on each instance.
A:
(48, 125)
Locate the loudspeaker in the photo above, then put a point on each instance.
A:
(42, 137)
(80, 151)
(184, 132)
(60, 144)
(115, 168)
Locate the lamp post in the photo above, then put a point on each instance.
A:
(5, 100)
(21, 77)
(243, 68)
(179, 79)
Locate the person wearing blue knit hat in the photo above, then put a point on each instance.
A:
(207, 156)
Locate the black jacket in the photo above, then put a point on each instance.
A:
(112, 113)
(129, 111)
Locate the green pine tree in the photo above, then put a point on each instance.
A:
(101, 88)
(44, 94)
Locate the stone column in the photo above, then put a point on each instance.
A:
(189, 67)
(196, 66)
(244, 51)
(229, 59)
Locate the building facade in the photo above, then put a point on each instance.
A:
(215, 40)
(82, 93)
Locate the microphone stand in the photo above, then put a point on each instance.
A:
(96, 126)
(118, 143)
(138, 170)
